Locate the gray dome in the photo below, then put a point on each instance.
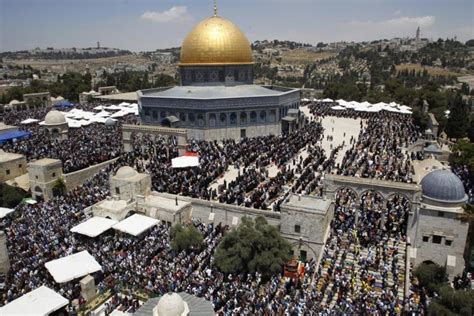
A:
(54, 118)
(443, 186)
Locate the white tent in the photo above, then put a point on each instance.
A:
(113, 107)
(99, 108)
(124, 104)
(39, 302)
(338, 108)
(94, 226)
(29, 121)
(73, 123)
(136, 224)
(72, 267)
(103, 114)
(327, 100)
(5, 211)
(185, 161)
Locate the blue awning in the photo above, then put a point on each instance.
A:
(64, 104)
(14, 135)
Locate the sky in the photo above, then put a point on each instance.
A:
(145, 25)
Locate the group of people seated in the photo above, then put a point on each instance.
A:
(362, 268)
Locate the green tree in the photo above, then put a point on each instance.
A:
(254, 246)
(185, 238)
(458, 123)
(59, 187)
(452, 302)
(431, 276)
(11, 196)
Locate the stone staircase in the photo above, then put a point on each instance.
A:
(351, 265)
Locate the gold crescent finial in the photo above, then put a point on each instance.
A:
(215, 7)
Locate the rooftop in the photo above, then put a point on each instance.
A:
(217, 92)
(128, 96)
(308, 203)
(6, 156)
(45, 162)
(166, 203)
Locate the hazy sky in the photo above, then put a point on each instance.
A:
(150, 24)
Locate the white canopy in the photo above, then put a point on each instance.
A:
(99, 108)
(124, 104)
(136, 224)
(113, 107)
(94, 226)
(72, 267)
(5, 211)
(73, 123)
(185, 161)
(40, 302)
(338, 108)
(103, 114)
(328, 100)
(29, 121)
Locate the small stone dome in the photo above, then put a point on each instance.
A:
(443, 186)
(109, 122)
(54, 118)
(126, 172)
(171, 304)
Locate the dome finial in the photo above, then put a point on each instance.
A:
(215, 7)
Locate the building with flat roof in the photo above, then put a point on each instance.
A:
(11, 165)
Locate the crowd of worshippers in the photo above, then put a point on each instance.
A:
(85, 146)
(148, 263)
(362, 268)
(467, 179)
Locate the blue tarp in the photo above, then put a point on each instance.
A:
(64, 104)
(13, 135)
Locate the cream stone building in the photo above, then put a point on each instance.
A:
(56, 125)
(438, 234)
(11, 165)
(43, 175)
(131, 193)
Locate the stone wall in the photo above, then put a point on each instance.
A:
(224, 213)
(77, 178)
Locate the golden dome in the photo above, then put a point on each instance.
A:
(216, 41)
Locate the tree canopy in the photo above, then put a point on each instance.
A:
(11, 196)
(185, 238)
(254, 246)
(447, 301)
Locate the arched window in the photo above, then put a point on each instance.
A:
(200, 120)
(212, 119)
(182, 117)
(223, 119)
(162, 114)
(192, 118)
(253, 117)
(233, 118)
(263, 116)
(243, 118)
(272, 116)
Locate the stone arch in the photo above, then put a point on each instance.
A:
(299, 243)
(38, 189)
(398, 194)
(55, 133)
(366, 191)
(341, 188)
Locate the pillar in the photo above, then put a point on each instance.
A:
(88, 289)
(4, 259)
